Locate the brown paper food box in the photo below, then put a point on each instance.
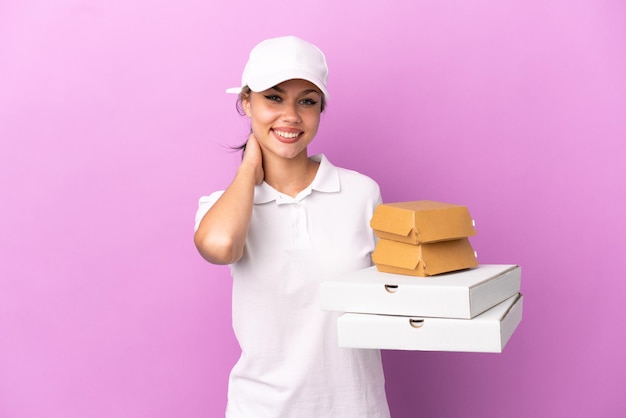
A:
(421, 221)
(424, 259)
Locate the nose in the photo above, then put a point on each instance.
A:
(291, 114)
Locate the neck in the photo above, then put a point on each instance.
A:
(289, 176)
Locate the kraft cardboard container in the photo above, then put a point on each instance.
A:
(464, 294)
(421, 221)
(424, 259)
(488, 332)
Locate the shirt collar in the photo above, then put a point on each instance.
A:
(326, 180)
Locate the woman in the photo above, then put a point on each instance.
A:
(286, 222)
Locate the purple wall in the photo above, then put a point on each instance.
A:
(113, 121)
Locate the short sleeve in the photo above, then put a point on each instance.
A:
(204, 204)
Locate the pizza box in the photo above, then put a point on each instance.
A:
(488, 332)
(463, 294)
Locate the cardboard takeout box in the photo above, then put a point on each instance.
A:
(464, 294)
(424, 259)
(421, 221)
(488, 332)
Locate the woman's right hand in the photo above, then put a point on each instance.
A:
(254, 157)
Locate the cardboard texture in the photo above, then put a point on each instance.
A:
(424, 259)
(488, 332)
(421, 221)
(464, 294)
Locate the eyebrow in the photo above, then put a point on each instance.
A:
(303, 93)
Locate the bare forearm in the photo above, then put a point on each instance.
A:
(221, 235)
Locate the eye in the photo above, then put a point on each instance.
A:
(273, 98)
(308, 102)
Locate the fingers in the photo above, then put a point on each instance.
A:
(253, 151)
(253, 155)
(252, 141)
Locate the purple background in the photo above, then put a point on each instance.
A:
(113, 121)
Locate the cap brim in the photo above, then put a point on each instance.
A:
(233, 90)
(269, 82)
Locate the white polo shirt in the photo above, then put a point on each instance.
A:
(291, 365)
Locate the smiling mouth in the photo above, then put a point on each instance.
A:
(287, 135)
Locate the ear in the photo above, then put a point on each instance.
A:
(246, 106)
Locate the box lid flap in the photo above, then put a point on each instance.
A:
(394, 219)
(397, 254)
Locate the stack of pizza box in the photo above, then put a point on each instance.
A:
(427, 290)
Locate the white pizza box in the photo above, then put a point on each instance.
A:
(462, 294)
(487, 333)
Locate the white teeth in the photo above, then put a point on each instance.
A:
(287, 134)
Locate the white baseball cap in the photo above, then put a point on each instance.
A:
(280, 59)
